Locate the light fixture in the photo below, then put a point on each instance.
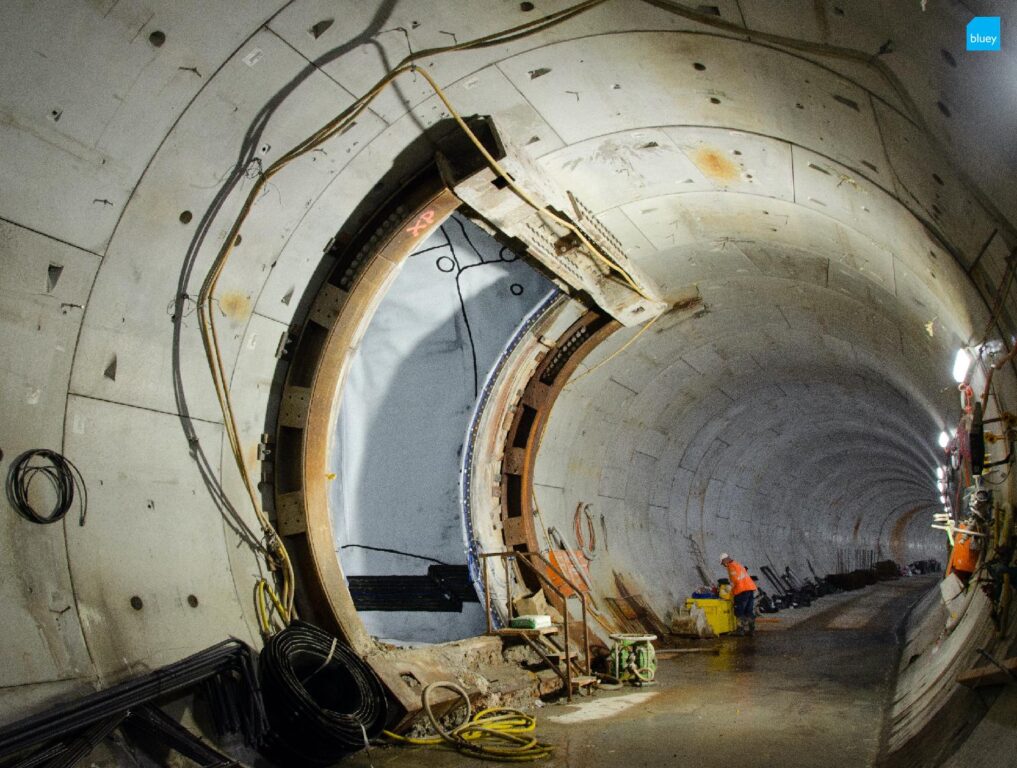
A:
(944, 439)
(940, 472)
(961, 364)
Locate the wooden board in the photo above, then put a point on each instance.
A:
(990, 675)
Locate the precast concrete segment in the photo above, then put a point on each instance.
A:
(44, 285)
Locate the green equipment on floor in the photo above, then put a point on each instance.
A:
(633, 659)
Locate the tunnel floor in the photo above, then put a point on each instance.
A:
(807, 690)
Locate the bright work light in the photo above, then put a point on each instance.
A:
(961, 364)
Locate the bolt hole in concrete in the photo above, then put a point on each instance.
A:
(157, 38)
(192, 600)
(394, 502)
(526, 7)
(53, 273)
(699, 67)
(137, 603)
(185, 217)
(847, 102)
(714, 100)
(320, 28)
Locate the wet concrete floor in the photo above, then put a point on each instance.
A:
(808, 690)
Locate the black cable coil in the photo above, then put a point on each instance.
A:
(62, 475)
(323, 701)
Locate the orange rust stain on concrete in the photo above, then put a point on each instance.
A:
(713, 163)
(235, 305)
(898, 537)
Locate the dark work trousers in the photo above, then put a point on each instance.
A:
(744, 605)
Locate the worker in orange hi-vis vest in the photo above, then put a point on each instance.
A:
(966, 551)
(743, 590)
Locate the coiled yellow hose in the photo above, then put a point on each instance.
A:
(496, 733)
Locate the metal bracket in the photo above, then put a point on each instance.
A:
(604, 273)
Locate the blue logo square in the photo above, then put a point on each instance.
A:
(983, 33)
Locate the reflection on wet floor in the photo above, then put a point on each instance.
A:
(732, 654)
(809, 692)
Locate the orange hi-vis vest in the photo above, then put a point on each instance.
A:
(966, 550)
(739, 578)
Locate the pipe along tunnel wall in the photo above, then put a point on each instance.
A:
(843, 218)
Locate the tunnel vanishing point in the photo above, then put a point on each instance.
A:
(382, 315)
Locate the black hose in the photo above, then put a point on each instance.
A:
(62, 475)
(323, 701)
(227, 671)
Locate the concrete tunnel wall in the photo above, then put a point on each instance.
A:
(131, 131)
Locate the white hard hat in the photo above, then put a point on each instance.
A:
(724, 556)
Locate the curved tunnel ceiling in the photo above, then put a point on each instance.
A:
(816, 196)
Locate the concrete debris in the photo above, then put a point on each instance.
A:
(492, 677)
(535, 605)
(691, 624)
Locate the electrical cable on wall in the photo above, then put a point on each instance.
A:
(1001, 294)
(587, 542)
(394, 552)
(614, 354)
(63, 476)
(277, 557)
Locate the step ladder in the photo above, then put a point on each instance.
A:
(552, 644)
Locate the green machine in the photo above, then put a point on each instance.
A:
(633, 659)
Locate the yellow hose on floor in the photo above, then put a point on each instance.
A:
(501, 734)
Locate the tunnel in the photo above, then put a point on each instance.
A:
(375, 319)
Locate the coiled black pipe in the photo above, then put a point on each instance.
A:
(62, 475)
(323, 701)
